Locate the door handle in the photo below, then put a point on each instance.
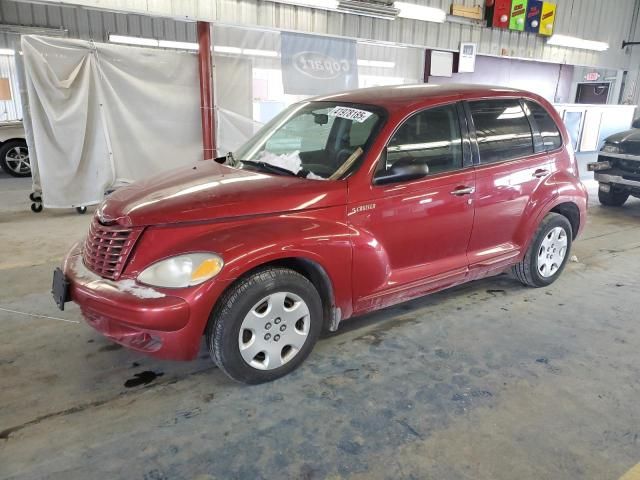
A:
(463, 191)
(541, 173)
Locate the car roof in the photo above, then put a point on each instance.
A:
(403, 96)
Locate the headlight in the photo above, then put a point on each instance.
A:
(182, 271)
(611, 148)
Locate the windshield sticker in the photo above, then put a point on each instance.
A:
(354, 114)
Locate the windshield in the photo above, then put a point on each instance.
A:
(316, 140)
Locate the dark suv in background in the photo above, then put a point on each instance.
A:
(618, 167)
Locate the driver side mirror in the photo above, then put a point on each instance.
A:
(400, 171)
(636, 123)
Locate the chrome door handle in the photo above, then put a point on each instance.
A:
(463, 191)
(541, 173)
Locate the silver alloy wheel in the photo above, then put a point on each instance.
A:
(17, 159)
(274, 330)
(552, 251)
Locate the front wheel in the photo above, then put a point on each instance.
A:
(265, 325)
(612, 198)
(548, 253)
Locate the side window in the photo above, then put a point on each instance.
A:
(551, 138)
(431, 137)
(502, 129)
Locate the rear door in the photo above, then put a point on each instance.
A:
(508, 172)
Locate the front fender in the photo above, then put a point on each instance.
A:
(320, 236)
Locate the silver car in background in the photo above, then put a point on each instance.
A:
(14, 154)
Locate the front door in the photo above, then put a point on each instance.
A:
(411, 235)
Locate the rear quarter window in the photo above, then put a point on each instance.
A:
(502, 129)
(551, 138)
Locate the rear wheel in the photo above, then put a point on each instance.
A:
(14, 158)
(612, 198)
(548, 253)
(265, 325)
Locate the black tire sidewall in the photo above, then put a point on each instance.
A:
(226, 327)
(3, 157)
(612, 198)
(549, 224)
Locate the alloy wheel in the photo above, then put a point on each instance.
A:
(17, 159)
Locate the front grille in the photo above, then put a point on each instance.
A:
(630, 166)
(107, 248)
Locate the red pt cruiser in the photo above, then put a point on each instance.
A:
(339, 206)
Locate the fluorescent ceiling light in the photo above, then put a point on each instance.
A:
(245, 51)
(178, 45)
(152, 42)
(575, 42)
(147, 42)
(225, 49)
(376, 63)
(7, 51)
(421, 12)
(380, 43)
(323, 4)
(259, 53)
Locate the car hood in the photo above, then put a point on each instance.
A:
(632, 135)
(209, 191)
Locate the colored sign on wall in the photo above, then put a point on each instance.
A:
(315, 65)
(498, 13)
(547, 19)
(534, 12)
(518, 15)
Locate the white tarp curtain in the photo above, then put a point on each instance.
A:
(248, 78)
(104, 114)
(233, 130)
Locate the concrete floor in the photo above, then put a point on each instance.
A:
(487, 381)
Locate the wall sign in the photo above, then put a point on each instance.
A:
(547, 19)
(314, 65)
(498, 13)
(534, 16)
(592, 76)
(518, 15)
(534, 11)
(467, 58)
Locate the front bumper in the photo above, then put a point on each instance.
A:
(623, 170)
(616, 179)
(155, 322)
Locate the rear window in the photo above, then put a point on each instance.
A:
(551, 138)
(502, 130)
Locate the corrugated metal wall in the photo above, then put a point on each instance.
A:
(89, 24)
(601, 20)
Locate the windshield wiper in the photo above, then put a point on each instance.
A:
(267, 167)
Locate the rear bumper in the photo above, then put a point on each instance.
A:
(151, 321)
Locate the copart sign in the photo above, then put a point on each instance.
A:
(313, 65)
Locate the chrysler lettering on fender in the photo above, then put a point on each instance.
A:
(319, 65)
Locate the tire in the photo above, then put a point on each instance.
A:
(612, 198)
(541, 268)
(14, 158)
(242, 325)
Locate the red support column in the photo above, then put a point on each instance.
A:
(206, 91)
